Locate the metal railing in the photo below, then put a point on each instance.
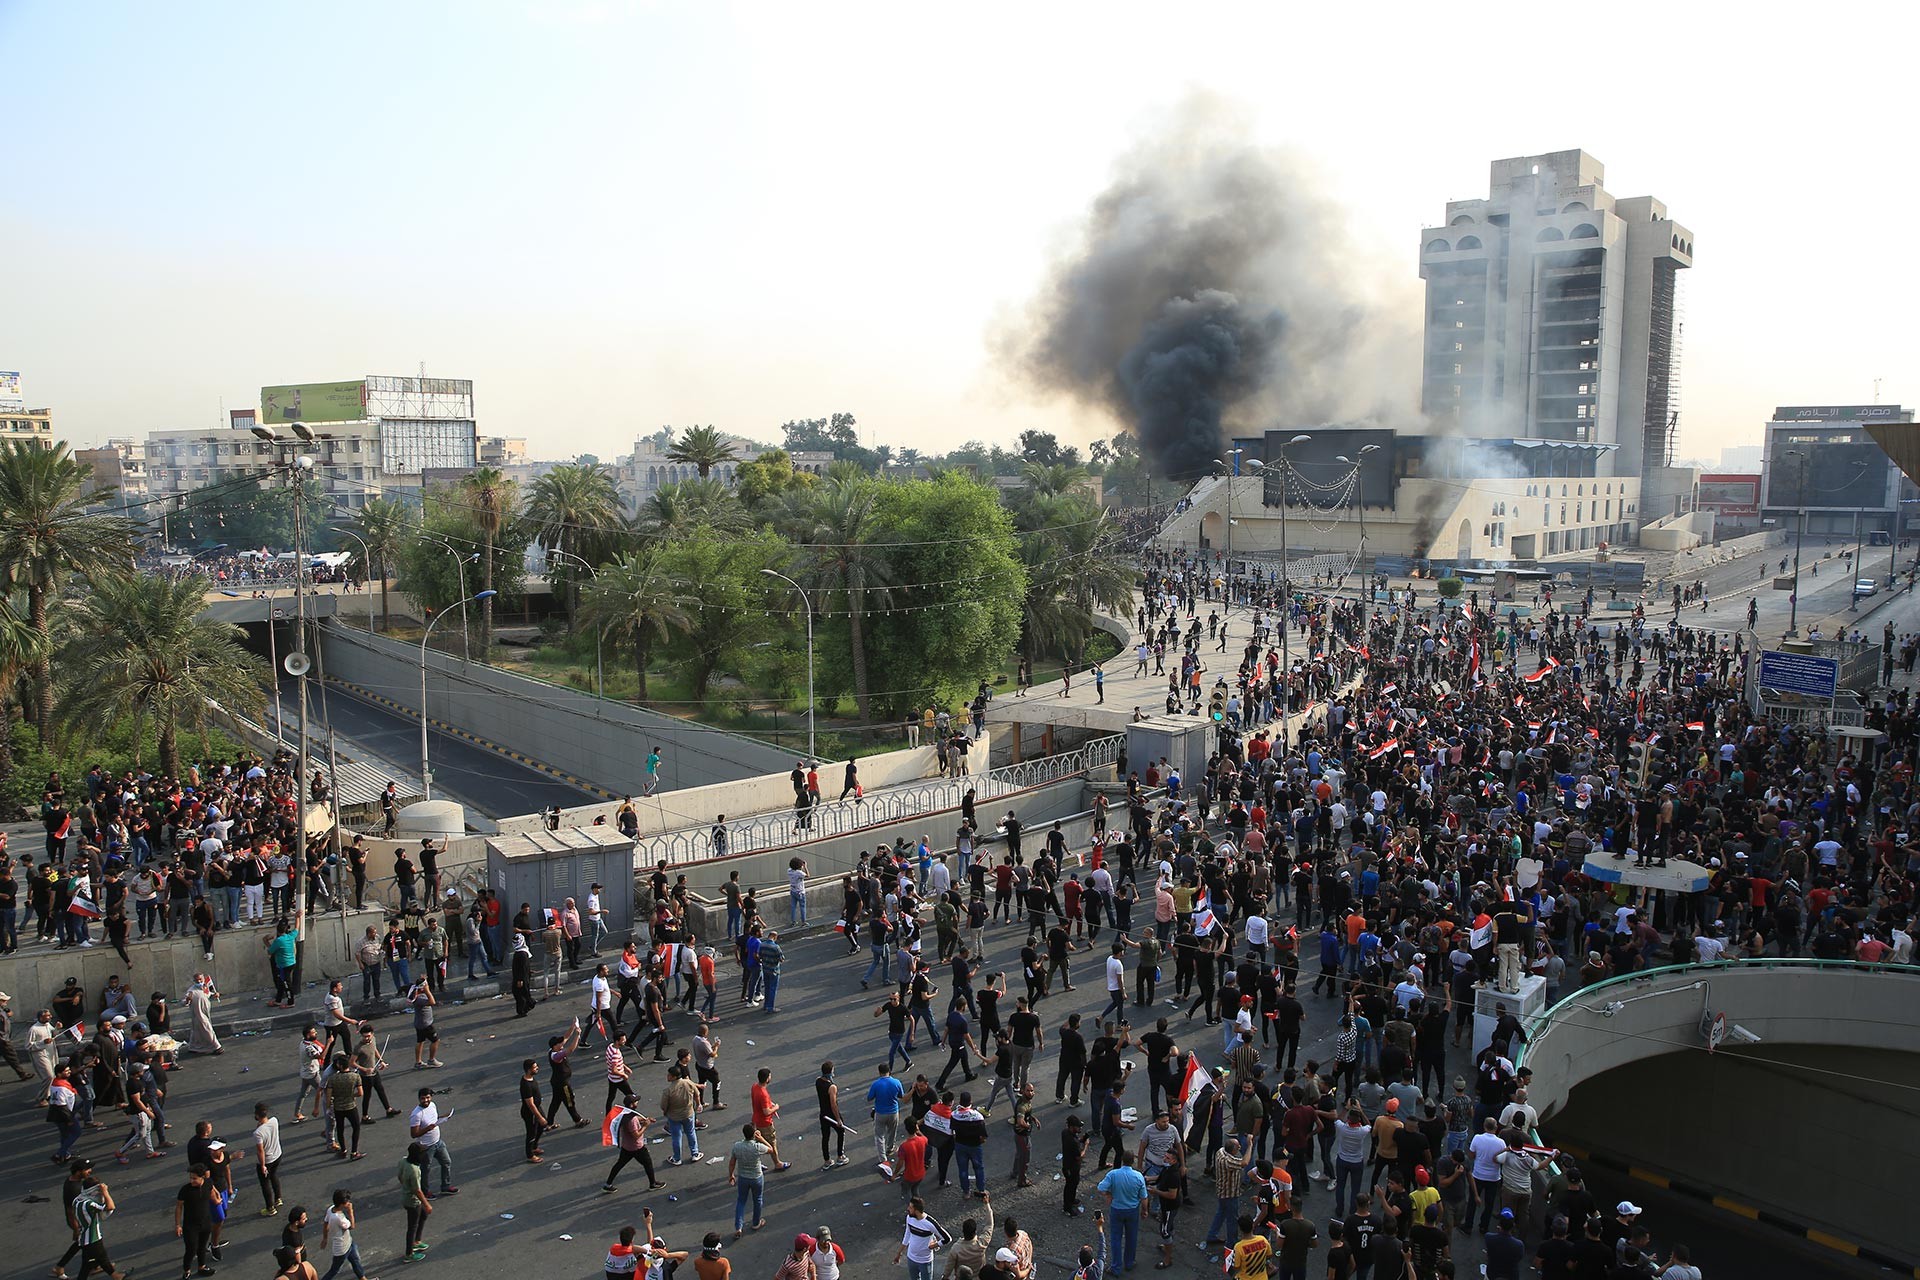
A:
(770, 831)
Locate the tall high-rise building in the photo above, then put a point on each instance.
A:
(1552, 313)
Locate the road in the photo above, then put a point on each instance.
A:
(481, 780)
(563, 1226)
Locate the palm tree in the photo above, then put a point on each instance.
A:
(491, 503)
(576, 509)
(20, 648)
(1050, 481)
(635, 597)
(1071, 548)
(702, 448)
(145, 653)
(677, 508)
(48, 533)
(835, 522)
(386, 527)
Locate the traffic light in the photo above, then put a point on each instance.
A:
(1642, 762)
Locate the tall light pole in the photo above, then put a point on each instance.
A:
(1799, 538)
(1360, 500)
(426, 773)
(1233, 471)
(366, 557)
(599, 676)
(806, 604)
(297, 666)
(460, 564)
(1286, 588)
(273, 659)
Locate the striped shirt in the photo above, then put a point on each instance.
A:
(90, 1211)
(616, 1064)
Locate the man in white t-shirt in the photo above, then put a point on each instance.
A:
(596, 920)
(600, 1001)
(423, 1123)
(1257, 936)
(266, 1150)
(1485, 1151)
(1116, 982)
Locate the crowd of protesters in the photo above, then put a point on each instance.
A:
(1337, 889)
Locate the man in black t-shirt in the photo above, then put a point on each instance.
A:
(1028, 1039)
(193, 1221)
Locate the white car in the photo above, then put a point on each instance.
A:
(1866, 586)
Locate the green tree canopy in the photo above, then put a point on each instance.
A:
(142, 652)
(954, 611)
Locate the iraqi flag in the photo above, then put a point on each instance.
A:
(1383, 748)
(1473, 661)
(610, 1127)
(1186, 1091)
(83, 907)
(1482, 932)
(1541, 674)
(1388, 688)
(1696, 726)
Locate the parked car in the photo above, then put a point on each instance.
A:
(1866, 586)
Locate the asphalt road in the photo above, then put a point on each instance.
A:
(483, 781)
(562, 1224)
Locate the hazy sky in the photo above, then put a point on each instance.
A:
(614, 216)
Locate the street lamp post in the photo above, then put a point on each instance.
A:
(460, 564)
(1233, 471)
(1286, 589)
(426, 772)
(367, 557)
(273, 658)
(1360, 500)
(1799, 539)
(806, 604)
(599, 671)
(296, 472)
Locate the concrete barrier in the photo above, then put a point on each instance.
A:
(828, 861)
(1623, 1067)
(603, 743)
(672, 810)
(239, 965)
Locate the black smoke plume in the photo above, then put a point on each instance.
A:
(1210, 288)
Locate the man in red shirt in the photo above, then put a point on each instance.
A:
(910, 1159)
(765, 1110)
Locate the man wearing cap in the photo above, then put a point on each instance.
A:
(1505, 1252)
(1617, 1228)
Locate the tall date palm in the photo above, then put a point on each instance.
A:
(48, 534)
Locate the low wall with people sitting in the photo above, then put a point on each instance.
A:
(239, 967)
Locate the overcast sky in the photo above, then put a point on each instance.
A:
(615, 216)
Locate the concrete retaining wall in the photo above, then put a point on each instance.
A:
(1755, 1128)
(1621, 1066)
(602, 742)
(239, 966)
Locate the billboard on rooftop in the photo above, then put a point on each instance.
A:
(314, 402)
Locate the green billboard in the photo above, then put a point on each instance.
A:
(314, 402)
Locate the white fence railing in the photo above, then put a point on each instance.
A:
(832, 817)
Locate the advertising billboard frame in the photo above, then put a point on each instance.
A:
(314, 402)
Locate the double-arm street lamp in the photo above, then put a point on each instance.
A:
(426, 771)
(806, 604)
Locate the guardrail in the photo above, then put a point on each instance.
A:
(770, 831)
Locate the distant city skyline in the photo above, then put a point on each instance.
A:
(617, 216)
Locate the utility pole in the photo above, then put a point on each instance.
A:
(1799, 539)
